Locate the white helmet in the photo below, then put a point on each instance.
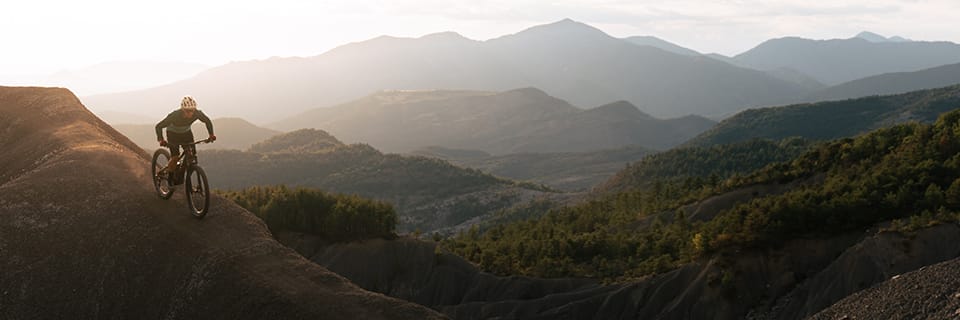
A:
(188, 103)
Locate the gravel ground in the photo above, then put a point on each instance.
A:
(931, 292)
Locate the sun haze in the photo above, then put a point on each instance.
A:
(46, 36)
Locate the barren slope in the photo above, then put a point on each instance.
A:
(83, 236)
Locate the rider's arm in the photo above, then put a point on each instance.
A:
(163, 124)
(203, 117)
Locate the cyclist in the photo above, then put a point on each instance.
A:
(178, 128)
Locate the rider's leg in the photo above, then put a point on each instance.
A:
(174, 144)
(174, 157)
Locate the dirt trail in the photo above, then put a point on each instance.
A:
(83, 236)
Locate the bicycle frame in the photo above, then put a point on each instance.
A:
(189, 154)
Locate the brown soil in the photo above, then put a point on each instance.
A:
(82, 235)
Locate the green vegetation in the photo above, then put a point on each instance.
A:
(842, 186)
(333, 217)
(418, 187)
(696, 166)
(832, 119)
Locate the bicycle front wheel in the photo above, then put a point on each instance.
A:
(198, 192)
(161, 178)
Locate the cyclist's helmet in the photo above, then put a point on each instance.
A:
(188, 103)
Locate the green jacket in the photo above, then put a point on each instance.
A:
(175, 122)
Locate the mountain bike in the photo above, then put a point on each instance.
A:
(188, 172)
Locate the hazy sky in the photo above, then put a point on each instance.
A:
(43, 36)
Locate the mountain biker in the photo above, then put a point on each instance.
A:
(178, 125)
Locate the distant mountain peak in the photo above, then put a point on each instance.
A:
(565, 28)
(873, 37)
(528, 91)
(621, 109)
(446, 35)
(299, 141)
(899, 39)
(870, 36)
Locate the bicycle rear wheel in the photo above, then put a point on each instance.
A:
(198, 192)
(161, 178)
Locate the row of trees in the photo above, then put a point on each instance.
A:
(334, 217)
(909, 172)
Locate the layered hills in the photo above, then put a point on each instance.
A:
(568, 59)
(832, 119)
(568, 171)
(429, 194)
(782, 242)
(840, 60)
(892, 83)
(83, 235)
(516, 121)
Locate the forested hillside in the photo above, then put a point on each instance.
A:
(908, 174)
(332, 217)
(832, 119)
(699, 165)
(428, 193)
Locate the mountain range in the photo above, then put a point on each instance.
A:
(521, 120)
(892, 83)
(840, 60)
(567, 59)
(567, 171)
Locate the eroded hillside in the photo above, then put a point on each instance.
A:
(83, 236)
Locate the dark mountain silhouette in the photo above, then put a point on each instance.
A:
(662, 44)
(568, 59)
(840, 60)
(521, 120)
(428, 194)
(832, 119)
(83, 235)
(568, 171)
(232, 133)
(892, 83)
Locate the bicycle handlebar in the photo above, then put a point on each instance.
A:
(197, 142)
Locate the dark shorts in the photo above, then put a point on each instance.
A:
(174, 140)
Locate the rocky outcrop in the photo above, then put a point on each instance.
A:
(928, 293)
(83, 236)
